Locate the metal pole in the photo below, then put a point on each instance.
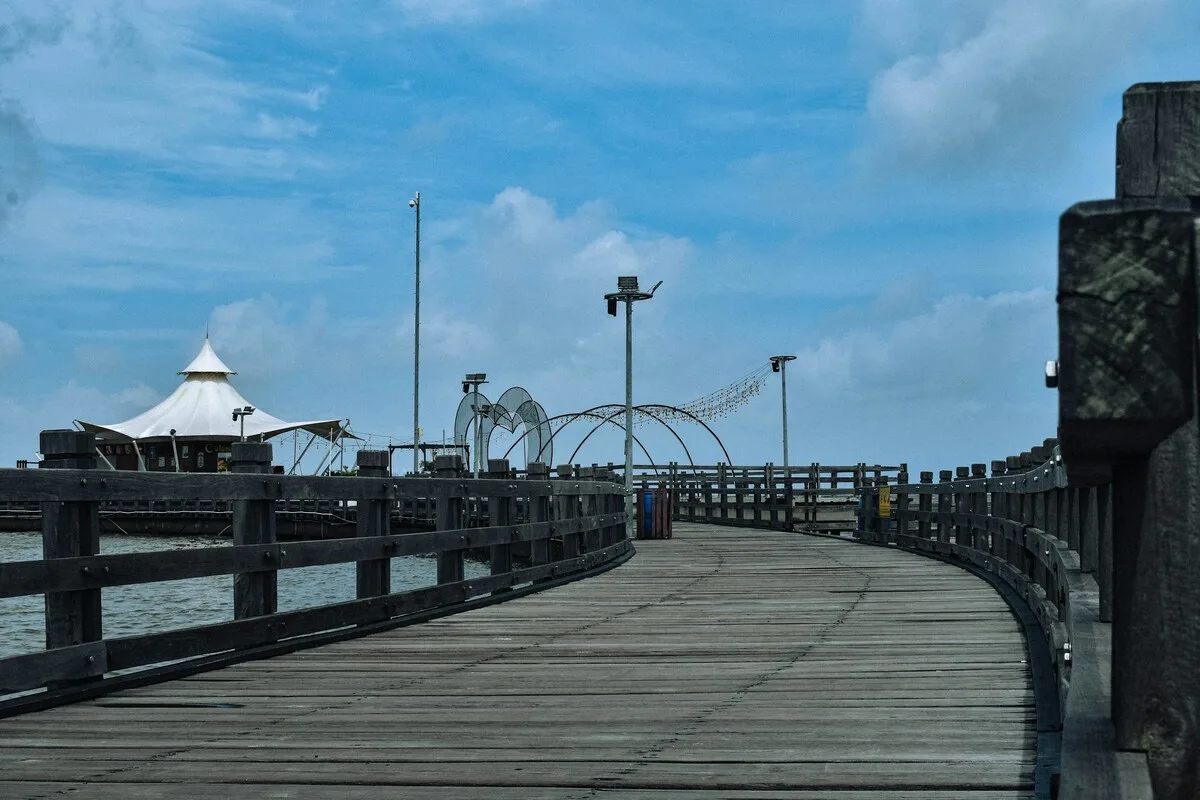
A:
(417, 349)
(629, 521)
(478, 429)
(783, 376)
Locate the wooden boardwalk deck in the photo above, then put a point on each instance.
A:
(725, 663)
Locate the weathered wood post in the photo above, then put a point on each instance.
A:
(254, 593)
(866, 510)
(998, 508)
(924, 506)
(961, 506)
(539, 511)
(374, 518)
(757, 496)
(69, 530)
(770, 493)
(883, 514)
(1128, 408)
(978, 507)
(901, 501)
(1012, 505)
(789, 499)
(501, 511)
(944, 499)
(451, 506)
(568, 510)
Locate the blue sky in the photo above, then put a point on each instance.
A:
(873, 186)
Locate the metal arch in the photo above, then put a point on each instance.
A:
(574, 416)
(639, 409)
(609, 418)
(661, 421)
(693, 417)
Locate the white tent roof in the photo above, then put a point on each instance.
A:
(202, 408)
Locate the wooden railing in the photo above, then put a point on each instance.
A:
(816, 498)
(1051, 544)
(567, 528)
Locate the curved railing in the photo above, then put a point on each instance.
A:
(557, 530)
(1050, 543)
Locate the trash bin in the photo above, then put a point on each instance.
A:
(654, 508)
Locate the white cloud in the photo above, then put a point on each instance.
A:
(270, 127)
(265, 338)
(444, 11)
(971, 82)
(10, 343)
(964, 348)
(21, 418)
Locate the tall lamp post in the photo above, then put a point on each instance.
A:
(415, 203)
(779, 364)
(471, 384)
(627, 292)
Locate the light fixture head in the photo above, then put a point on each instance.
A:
(627, 283)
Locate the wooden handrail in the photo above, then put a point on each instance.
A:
(494, 512)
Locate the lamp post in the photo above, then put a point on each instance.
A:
(241, 414)
(627, 292)
(415, 203)
(471, 383)
(779, 364)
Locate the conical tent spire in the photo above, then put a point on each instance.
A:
(206, 362)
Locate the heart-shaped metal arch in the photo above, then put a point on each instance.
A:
(515, 408)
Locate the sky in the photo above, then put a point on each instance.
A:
(872, 186)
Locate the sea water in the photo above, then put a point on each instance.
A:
(168, 605)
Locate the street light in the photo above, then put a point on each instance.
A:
(471, 383)
(415, 203)
(779, 364)
(242, 413)
(627, 292)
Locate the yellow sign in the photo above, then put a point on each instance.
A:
(885, 501)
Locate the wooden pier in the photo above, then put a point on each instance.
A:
(723, 663)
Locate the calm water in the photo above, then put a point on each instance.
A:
(154, 607)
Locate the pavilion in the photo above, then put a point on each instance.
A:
(193, 428)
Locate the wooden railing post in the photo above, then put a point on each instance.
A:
(998, 508)
(944, 499)
(1128, 411)
(883, 517)
(253, 522)
(901, 505)
(70, 530)
(961, 505)
(789, 499)
(977, 506)
(374, 518)
(451, 503)
(539, 511)
(758, 496)
(568, 509)
(501, 511)
(924, 506)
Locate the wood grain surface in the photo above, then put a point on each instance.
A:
(723, 663)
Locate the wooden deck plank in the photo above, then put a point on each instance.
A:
(719, 662)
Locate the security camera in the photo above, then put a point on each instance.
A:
(412, 203)
(1051, 374)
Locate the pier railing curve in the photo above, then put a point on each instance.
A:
(563, 529)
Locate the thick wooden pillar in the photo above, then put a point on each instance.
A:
(254, 593)
(374, 518)
(451, 505)
(70, 530)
